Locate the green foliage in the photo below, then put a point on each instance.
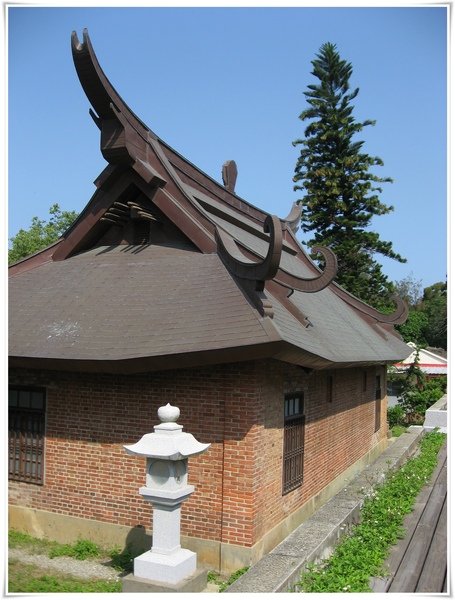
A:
(413, 330)
(397, 430)
(233, 577)
(395, 415)
(213, 577)
(361, 555)
(40, 234)
(434, 305)
(222, 582)
(30, 579)
(17, 539)
(82, 550)
(427, 321)
(418, 393)
(341, 192)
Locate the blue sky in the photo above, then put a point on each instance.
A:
(228, 83)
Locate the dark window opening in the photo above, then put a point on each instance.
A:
(330, 388)
(26, 421)
(293, 442)
(365, 380)
(141, 232)
(378, 399)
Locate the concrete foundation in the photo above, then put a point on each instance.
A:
(194, 584)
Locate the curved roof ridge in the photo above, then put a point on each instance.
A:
(97, 87)
(101, 94)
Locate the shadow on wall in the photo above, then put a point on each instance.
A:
(136, 542)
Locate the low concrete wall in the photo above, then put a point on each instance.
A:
(315, 539)
(436, 415)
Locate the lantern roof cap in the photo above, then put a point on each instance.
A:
(168, 441)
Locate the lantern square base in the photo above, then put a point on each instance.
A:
(166, 568)
(194, 584)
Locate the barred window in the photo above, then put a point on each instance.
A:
(26, 421)
(293, 442)
(378, 400)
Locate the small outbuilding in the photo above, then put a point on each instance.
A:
(169, 287)
(429, 360)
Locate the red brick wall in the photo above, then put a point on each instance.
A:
(90, 417)
(337, 433)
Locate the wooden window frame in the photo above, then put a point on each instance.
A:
(26, 434)
(293, 441)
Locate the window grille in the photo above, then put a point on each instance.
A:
(26, 423)
(293, 442)
(377, 416)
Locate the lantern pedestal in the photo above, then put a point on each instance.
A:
(167, 561)
(166, 568)
(166, 488)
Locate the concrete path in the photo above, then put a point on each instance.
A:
(279, 570)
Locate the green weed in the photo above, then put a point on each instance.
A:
(233, 577)
(397, 430)
(222, 582)
(81, 550)
(361, 555)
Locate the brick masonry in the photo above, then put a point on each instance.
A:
(238, 408)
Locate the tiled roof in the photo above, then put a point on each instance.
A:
(212, 279)
(128, 302)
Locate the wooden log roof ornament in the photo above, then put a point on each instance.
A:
(294, 217)
(229, 175)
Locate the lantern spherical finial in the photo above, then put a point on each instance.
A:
(168, 413)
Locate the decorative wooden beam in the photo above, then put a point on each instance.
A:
(96, 85)
(314, 284)
(397, 317)
(244, 268)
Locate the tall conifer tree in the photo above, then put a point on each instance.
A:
(341, 194)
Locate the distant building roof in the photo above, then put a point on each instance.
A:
(428, 362)
(167, 268)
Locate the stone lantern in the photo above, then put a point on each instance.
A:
(166, 487)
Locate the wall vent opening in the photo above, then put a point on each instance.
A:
(141, 232)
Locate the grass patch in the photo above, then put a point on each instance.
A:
(17, 539)
(122, 560)
(222, 582)
(397, 430)
(81, 550)
(361, 555)
(31, 579)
